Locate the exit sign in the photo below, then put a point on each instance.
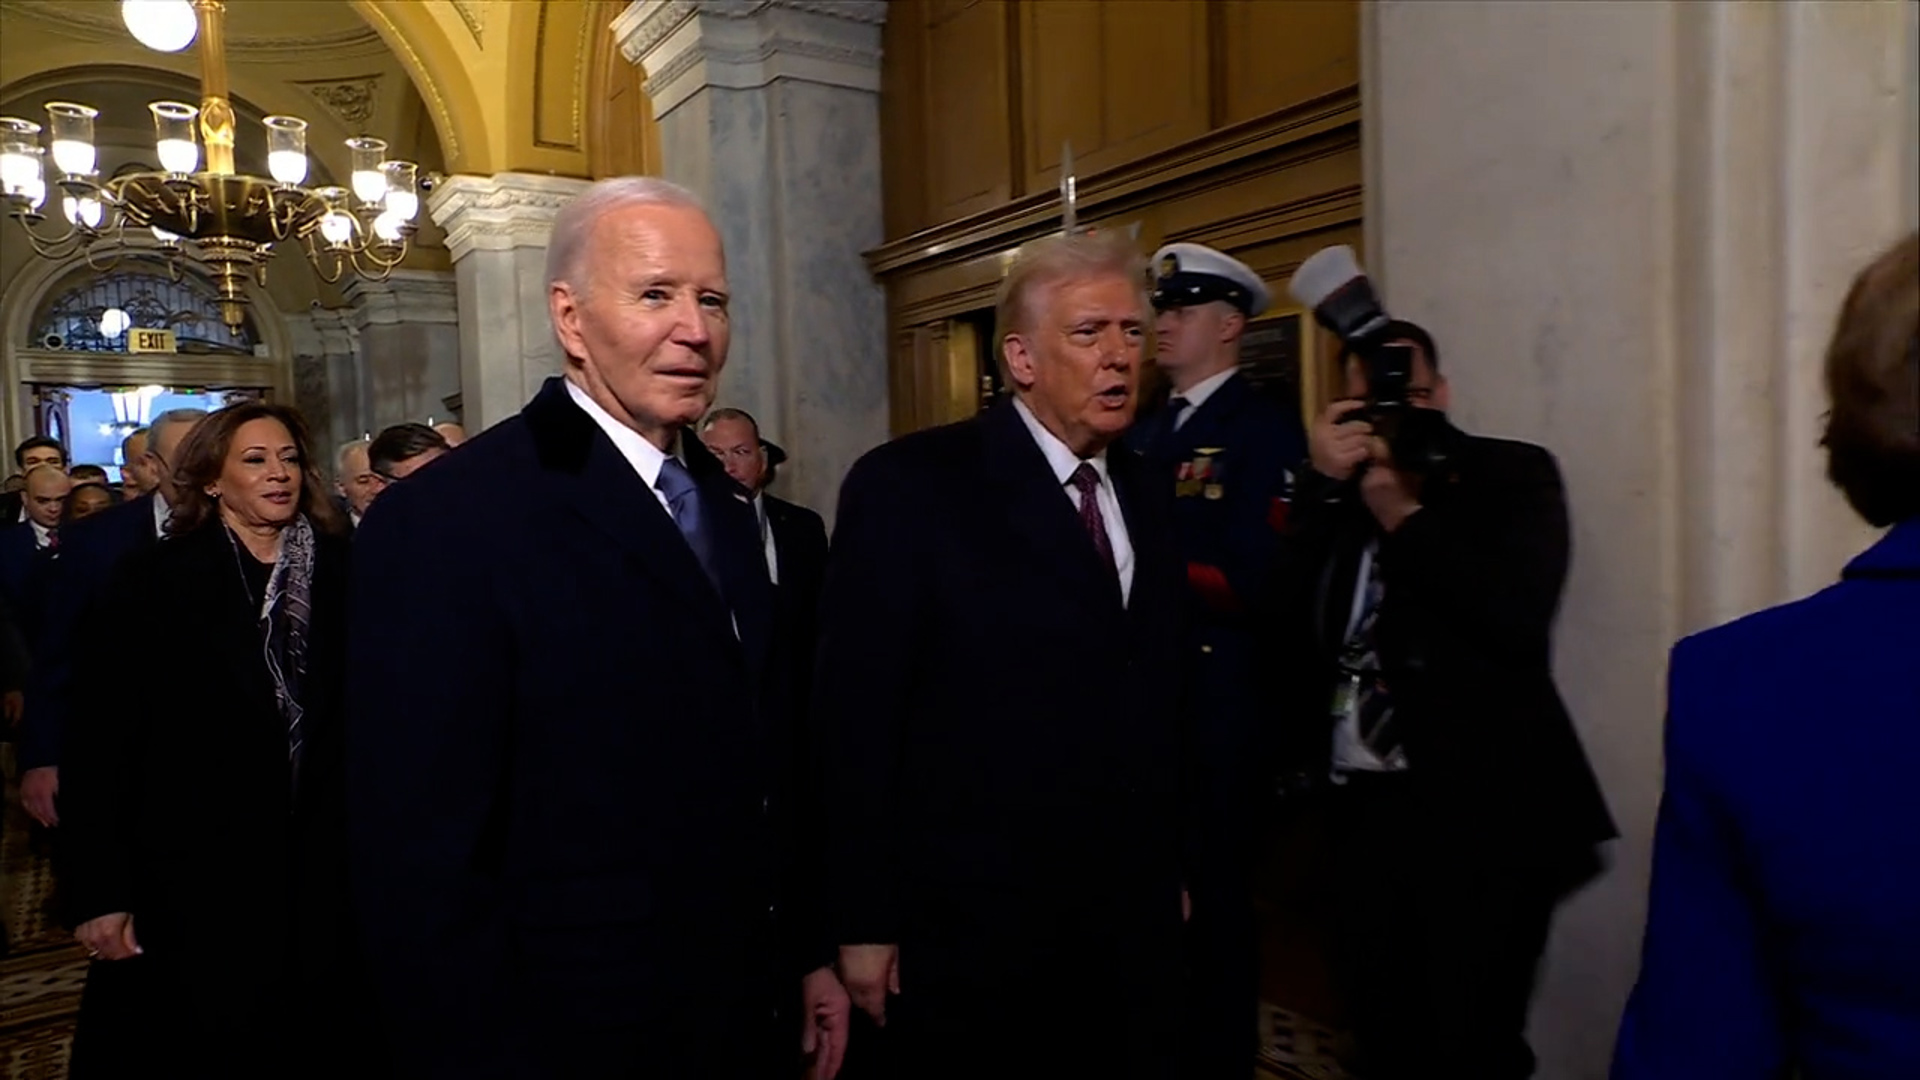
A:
(143, 340)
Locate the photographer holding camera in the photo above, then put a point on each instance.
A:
(1420, 576)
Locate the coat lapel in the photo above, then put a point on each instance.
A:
(1039, 511)
(736, 542)
(588, 475)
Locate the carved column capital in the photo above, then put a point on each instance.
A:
(686, 46)
(499, 213)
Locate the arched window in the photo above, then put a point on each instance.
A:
(95, 316)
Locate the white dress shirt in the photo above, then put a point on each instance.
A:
(42, 535)
(1197, 395)
(162, 513)
(1064, 462)
(645, 457)
(766, 536)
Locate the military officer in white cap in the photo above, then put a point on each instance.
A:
(1229, 453)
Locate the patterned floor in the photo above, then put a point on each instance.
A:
(1296, 1048)
(39, 997)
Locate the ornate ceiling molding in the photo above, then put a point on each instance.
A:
(102, 23)
(687, 45)
(474, 14)
(353, 100)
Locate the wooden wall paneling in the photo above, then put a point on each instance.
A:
(903, 118)
(1274, 55)
(1121, 79)
(969, 145)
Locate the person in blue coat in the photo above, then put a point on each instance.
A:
(1227, 454)
(1783, 929)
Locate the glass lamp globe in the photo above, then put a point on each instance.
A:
(161, 25)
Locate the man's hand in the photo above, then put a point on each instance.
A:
(1392, 495)
(109, 937)
(828, 1013)
(13, 705)
(871, 972)
(1336, 449)
(37, 790)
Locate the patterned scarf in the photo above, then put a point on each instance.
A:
(284, 617)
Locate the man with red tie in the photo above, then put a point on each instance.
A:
(998, 700)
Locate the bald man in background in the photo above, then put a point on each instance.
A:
(453, 433)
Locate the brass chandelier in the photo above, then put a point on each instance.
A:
(229, 221)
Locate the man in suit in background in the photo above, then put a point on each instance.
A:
(998, 698)
(136, 471)
(24, 552)
(1413, 671)
(354, 479)
(1227, 453)
(89, 552)
(570, 726)
(794, 537)
(402, 450)
(29, 455)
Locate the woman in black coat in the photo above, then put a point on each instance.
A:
(202, 798)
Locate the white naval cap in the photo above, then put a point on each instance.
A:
(1189, 274)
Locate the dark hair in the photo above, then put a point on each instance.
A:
(89, 471)
(1873, 381)
(402, 442)
(204, 454)
(1403, 330)
(66, 508)
(35, 443)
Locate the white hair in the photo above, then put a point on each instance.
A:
(573, 225)
(340, 455)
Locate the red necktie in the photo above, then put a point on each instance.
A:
(1087, 481)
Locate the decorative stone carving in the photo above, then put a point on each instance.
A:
(499, 213)
(352, 100)
(686, 45)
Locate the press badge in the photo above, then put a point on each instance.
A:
(1346, 700)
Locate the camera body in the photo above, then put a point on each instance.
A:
(1421, 440)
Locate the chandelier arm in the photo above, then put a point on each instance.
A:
(316, 258)
(48, 248)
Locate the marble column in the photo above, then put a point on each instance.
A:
(409, 329)
(1630, 226)
(497, 229)
(328, 385)
(769, 109)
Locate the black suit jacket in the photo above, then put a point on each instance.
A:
(177, 802)
(569, 775)
(800, 545)
(1473, 581)
(72, 629)
(24, 566)
(998, 729)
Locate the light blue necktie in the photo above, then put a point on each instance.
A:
(683, 496)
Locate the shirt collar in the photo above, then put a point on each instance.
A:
(1062, 460)
(161, 512)
(1197, 394)
(645, 457)
(40, 533)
